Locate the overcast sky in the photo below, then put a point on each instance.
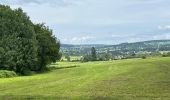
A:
(100, 21)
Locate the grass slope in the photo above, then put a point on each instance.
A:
(136, 79)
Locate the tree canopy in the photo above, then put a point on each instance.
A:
(23, 44)
(48, 48)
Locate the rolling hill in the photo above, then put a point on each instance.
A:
(123, 48)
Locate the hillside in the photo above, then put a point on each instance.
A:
(161, 45)
(142, 43)
(119, 49)
(137, 79)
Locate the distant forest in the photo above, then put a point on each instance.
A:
(152, 47)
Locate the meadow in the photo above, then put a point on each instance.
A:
(134, 79)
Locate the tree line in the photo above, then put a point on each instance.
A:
(25, 46)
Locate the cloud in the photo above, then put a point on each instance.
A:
(122, 35)
(148, 1)
(121, 38)
(40, 2)
(78, 40)
(161, 36)
(164, 27)
(110, 21)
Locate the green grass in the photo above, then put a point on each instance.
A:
(135, 79)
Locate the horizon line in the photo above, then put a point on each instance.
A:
(116, 43)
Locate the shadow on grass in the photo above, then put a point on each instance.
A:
(29, 97)
(54, 68)
(43, 97)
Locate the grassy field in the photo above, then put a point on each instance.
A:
(135, 79)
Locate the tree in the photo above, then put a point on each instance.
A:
(24, 46)
(87, 58)
(17, 40)
(93, 54)
(48, 46)
(166, 54)
(105, 57)
(68, 58)
(143, 57)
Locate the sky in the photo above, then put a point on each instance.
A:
(100, 21)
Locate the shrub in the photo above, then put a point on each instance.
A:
(27, 72)
(68, 58)
(7, 74)
(166, 54)
(143, 57)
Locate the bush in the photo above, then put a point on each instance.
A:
(27, 72)
(68, 58)
(87, 58)
(166, 54)
(7, 74)
(143, 57)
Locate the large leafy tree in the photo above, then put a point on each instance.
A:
(23, 45)
(17, 40)
(48, 46)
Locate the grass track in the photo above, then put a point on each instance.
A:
(135, 79)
